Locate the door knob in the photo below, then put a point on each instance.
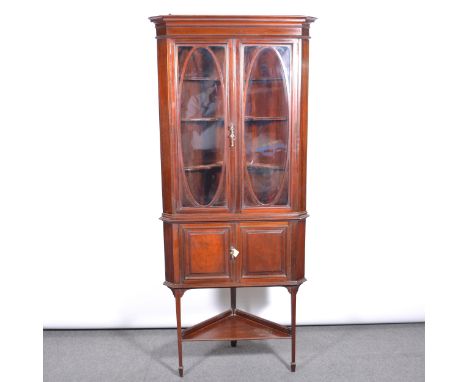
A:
(233, 252)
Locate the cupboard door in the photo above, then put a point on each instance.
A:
(202, 94)
(205, 252)
(266, 118)
(264, 251)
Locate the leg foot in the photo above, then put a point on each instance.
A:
(234, 343)
(293, 292)
(178, 294)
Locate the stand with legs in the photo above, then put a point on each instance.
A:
(235, 324)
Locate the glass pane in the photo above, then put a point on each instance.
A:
(266, 125)
(202, 132)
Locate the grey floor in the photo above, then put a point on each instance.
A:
(361, 353)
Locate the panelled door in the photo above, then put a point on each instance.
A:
(265, 251)
(206, 252)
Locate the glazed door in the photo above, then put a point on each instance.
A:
(202, 118)
(235, 119)
(266, 125)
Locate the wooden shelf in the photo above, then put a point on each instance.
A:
(204, 167)
(266, 79)
(235, 325)
(264, 167)
(200, 79)
(264, 119)
(207, 119)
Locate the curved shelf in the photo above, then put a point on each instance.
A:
(204, 167)
(250, 118)
(195, 78)
(207, 119)
(266, 79)
(264, 167)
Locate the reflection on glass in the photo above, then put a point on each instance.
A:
(202, 104)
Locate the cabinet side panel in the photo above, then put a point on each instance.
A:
(164, 60)
(168, 252)
(300, 249)
(303, 125)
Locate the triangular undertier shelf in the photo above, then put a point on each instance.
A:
(235, 325)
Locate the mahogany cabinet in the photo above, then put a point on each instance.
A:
(233, 127)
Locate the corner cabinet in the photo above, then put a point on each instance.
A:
(233, 126)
